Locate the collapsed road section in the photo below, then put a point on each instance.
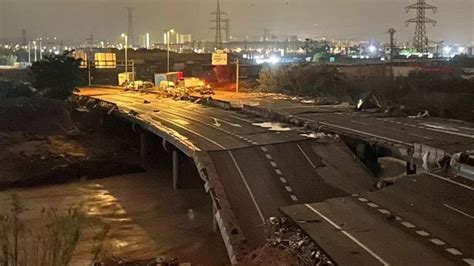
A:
(250, 166)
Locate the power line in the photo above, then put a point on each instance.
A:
(420, 40)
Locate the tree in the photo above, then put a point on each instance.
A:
(57, 76)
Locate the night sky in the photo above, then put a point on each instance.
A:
(73, 20)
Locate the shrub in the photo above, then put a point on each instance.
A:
(15, 89)
(57, 76)
(51, 242)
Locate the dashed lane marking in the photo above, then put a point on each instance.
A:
(454, 251)
(373, 205)
(280, 174)
(422, 233)
(469, 261)
(408, 224)
(437, 242)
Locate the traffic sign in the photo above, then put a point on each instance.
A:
(219, 59)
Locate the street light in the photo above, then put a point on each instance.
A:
(168, 47)
(126, 55)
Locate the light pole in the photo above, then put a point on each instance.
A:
(168, 48)
(126, 55)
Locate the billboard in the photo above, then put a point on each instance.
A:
(105, 60)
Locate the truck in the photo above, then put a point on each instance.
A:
(125, 78)
(159, 78)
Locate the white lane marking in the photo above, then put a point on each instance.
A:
(273, 164)
(398, 218)
(254, 143)
(383, 211)
(194, 132)
(269, 157)
(458, 211)
(469, 261)
(408, 225)
(454, 251)
(422, 233)
(366, 134)
(216, 123)
(451, 181)
(382, 261)
(363, 199)
(247, 186)
(288, 188)
(278, 172)
(451, 133)
(264, 149)
(307, 157)
(437, 242)
(293, 197)
(283, 180)
(467, 128)
(420, 136)
(357, 122)
(373, 205)
(438, 127)
(225, 121)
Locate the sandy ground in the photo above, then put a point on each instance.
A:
(147, 218)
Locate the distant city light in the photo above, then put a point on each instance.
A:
(447, 49)
(274, 60)
(372, 49)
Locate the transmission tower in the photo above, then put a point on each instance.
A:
(392, 32)
(130, 26)
(218, 25)
(421, 40)
(23, 37)
(3, 20)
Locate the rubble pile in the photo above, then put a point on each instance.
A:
(285, 236)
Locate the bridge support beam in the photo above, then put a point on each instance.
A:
(143, 150)
(411, 168)
(175, 169)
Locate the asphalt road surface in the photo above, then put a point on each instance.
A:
(261, 169)
(422, 220)
(449, 135)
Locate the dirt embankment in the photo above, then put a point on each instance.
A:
(44, 141)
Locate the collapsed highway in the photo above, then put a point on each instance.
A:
(253, 166)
